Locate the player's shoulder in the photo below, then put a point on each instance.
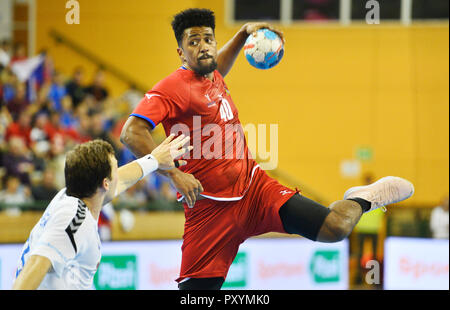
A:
(65, 208)
(176, 83)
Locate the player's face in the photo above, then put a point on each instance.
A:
(199, 50)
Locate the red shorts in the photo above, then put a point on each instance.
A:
(214, 229)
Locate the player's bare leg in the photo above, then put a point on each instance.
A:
(307, 218)
(340, 222)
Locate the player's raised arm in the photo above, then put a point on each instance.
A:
(32, 273)
(229, 52)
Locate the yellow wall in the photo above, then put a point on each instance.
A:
(337, 88)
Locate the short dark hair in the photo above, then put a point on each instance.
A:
(192, 18)
(86, 166)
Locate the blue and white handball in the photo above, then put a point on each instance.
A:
(264, 50)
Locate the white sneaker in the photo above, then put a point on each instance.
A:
(383, 192)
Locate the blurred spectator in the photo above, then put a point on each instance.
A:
(5, 120)
(57, 91)
(97, 130)
(132, 96)
(68, 118)
(159, 188)
(105, 222)
(319, 10)
(97, 88)
(17, 161)
(38, 132)
(5, 53)
(56, 160)
(75, 88)
(19, 53)
(439, 220)
(83, 131)
(46, 189)
(54, 129)
(367, 231)
(19, 102)
(7, 82)
(14, 194)
(20, 128)
(135, 196)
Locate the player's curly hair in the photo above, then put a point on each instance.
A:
(192, 18)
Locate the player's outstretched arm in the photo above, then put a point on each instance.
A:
(32, 273)
(136, 136)
(162, 157)
(228, 53)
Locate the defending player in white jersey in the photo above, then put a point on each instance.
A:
(63, 249)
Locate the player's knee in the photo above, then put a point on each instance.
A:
(341, 230)
(335, 228)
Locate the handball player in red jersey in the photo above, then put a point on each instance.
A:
(226, 195)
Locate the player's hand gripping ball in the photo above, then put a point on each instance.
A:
(264, 50)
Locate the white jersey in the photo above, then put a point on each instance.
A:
(67, 234)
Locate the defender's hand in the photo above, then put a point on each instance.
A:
(168, 150)
(251, 28)
(187, 185)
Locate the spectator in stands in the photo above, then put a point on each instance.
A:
(75, 88)
(159, 188)
(56, 160)
(135, 196)
(97, 88)
(57, 91)
(46, 189)
(38, 132)
(19, 102)
(19, 53)
(439, 220)
(54, 128)
(132, 97)
(8, 81)
(5, 53)
(5, 120)
(367, 236)
(105, 221)
(14, 194)
(97, 130)
(68, 118)
(319, 10)
(18, 161)
(20, 128)
(83, 131)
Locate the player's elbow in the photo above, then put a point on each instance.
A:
(128, 133)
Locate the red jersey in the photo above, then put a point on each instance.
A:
(187, 103)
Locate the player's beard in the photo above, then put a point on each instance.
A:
(206, 68)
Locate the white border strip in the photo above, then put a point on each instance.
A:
(406, 12)
(345, 12)
(286, 12)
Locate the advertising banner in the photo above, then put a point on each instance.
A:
(290, 264)
(416, 264)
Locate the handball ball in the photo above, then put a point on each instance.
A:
(264, 50)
